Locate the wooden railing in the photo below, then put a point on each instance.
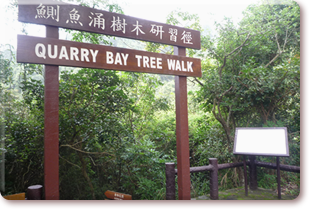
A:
(214, 167)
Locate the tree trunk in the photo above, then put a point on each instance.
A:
(84, 172)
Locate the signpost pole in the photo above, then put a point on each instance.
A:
(278, 177)
(51, 127)
(183, 164)
(245, 176)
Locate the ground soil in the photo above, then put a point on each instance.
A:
(259, 194)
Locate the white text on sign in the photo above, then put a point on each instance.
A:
(149, 62)
(72, 54)
(75, 54)
(90, 55)
(176, 65)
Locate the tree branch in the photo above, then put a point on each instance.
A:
(200, 83)
(226, 56)
(70, 162)
(93, 153)
(222, 95)
(229, 114)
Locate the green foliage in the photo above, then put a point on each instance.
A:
(184, 19)
(266, 180)
(206, 133)
(252, 78)
(146, 169)
(92, 102)
(200, 184)
(6, 70)
(99, 150)
(24, 145)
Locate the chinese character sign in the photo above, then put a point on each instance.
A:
(99, 21)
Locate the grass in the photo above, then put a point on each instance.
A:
(259, 194)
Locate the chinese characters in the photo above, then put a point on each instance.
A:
(118, 25)
(74, 17)
(98, 21)
(187, 37)
(114, 24)
(47, 12)
(173, 34)
(137, 28)
(157, 30)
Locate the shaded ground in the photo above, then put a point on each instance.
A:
(239, 194)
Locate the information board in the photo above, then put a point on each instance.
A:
(265, 141)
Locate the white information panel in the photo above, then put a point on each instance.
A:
(261, 141)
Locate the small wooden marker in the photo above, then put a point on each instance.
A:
(117, 196)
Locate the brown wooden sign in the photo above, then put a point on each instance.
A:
(99, 21)
(67, 53)
(19, 196)
(117, 196)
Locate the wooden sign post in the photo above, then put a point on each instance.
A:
(183, 164)
(53, 52)
(51, 125)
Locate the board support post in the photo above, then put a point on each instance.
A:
(245, 176)
(278, 177)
